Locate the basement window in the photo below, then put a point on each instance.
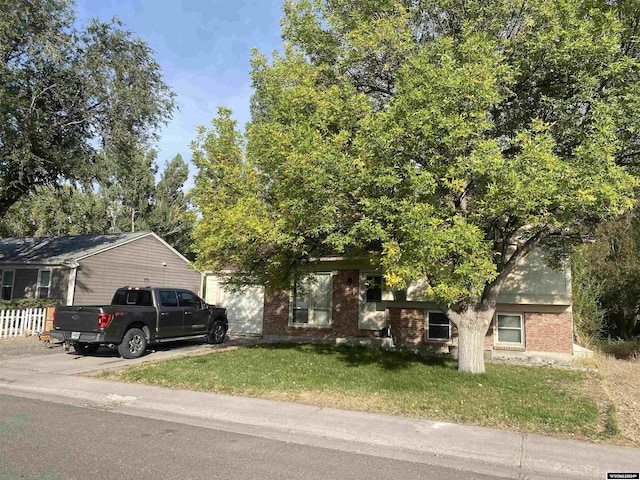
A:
(510, 327)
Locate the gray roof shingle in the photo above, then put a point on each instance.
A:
(58, 250)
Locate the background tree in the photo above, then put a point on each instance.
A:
(65, 92)
(49, 211)
(445, 139)
(612, 261)
(171, 216)
(123, 198)
(127, 186)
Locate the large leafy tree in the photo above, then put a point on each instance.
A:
(171, 216)
(65, 92)
(127, 185)
(48, 211)
(445, 140)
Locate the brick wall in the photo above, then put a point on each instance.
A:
(548, 332)
(276, 312)
(344, 321)
(407, 325)
(488, 339)
(544, 332)
(344, 316)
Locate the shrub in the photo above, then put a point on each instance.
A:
(588, 314)
(28, 303)
(622, 349)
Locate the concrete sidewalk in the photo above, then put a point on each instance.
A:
(482, 450)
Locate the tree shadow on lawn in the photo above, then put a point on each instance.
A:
(355, 356)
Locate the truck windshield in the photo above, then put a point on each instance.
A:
(132, 297)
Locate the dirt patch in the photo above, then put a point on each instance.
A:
(14, 347)
(620, 380)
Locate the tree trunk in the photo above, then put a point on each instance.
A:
(472, 323)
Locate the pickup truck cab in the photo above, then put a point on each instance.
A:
(137, 317)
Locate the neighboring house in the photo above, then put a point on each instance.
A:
(348, 301)
(87, 269)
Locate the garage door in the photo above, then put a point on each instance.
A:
(244, 308)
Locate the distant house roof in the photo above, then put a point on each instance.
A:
(60, 250)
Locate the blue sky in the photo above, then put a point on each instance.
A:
(204, 48)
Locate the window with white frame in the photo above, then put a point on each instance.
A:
(438, 326)
(510, 328)
(7, 284)
(44, 283)
(312, 300)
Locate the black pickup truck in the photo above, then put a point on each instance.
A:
(137, 317)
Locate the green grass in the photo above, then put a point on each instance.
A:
(611, 428)
(534, 399)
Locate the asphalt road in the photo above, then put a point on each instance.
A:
(48, 441)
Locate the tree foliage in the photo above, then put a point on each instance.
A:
(124, 198)
(127, 185)
(612, 262)
(171, 216)
(586, 296)
(444, 140)
(65, 92)
(48, 211)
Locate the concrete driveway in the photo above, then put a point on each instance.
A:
(32, 355)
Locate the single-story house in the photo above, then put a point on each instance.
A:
(87, 269)
(347, 300)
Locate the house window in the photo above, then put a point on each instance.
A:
(312, 300)
(44, 283)
(7, 284)
(510, 328)
(438, 326)
(374, 289)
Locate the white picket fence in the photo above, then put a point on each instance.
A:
(18, 323)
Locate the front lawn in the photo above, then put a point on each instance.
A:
(534, 399)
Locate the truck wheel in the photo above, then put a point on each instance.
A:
(217, 333)
(134, 344)
(85, 348)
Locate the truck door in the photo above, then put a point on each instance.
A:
(195, 316)
(171, 314)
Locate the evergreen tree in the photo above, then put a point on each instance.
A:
(171, 218)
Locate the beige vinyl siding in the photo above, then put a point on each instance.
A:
(24, 283)
(137, 263)
(59, 284)
(531, 282)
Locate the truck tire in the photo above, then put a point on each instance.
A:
(217, 333)
(134, 344)
(85, 348)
